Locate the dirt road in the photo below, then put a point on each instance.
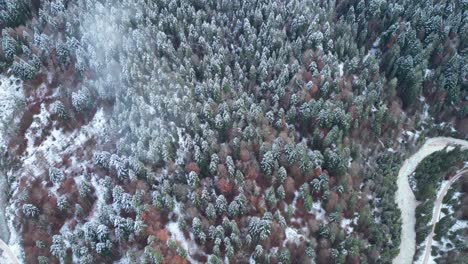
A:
(406, 200)
(435, 216)
(7, 254)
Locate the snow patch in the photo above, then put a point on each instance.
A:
(318, 211)
(340, 67)
(178, 235)
(11, 100)
(346, 225)
(292, 235)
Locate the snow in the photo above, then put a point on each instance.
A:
(318, 211)
(178, 235)
(374, 50)
(428, 73)
(346, 225)
(11, 98)
(425, 113)
(15, 239)
(292, 235)
(184, 145)
(340, 67)
(459, 224)
(58, 142)
(412, 135)
(53, 147)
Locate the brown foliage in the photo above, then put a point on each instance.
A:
(314, 225)
(162, 235)
(332, 202)
(222, 171)
(289, 187)
(276, 237)
(317, 171)
(244, 155)
(306, 76)
(192, 166)
(324, 256)
(225, 186)
(175, 260)
(252, 173)
(154, 219)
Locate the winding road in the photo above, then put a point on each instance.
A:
(406, 200)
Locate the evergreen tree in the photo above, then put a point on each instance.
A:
(30, 210)
(55, 175)
(57, 248)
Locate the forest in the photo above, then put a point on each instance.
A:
(427, 180)
(230, 131)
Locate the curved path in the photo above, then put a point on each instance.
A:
(435, 216)
(406, 200)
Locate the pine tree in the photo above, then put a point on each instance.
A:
(55, 175)
(30, 210)
(214, 260)
(81, 100)
(280, 219)
(43, 260)
(102, 159)
(211, 211)
(229, 249)
(268, 163)
(281, 193)
(270, 197)
(62, 203)
(197, 230)
(259, 228)
(308, 201)
(59, 109)
(14, 13)
(281, 175)
(24, 70)
(258, 252)
(102, 233)
(230, 166)
(192, 179)
(213, 167)
(103, 248)
(63, 53)
(57, 248)
(284, 256)
(221, 205)
(9, 46)
(310, 252)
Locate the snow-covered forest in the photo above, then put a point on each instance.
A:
(225, 131)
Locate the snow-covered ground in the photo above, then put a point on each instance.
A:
(442, 245)
(52, 148)
(346, 225)
(293, 235)
(11, 99)
(406, 200)
(177, 234)
(374, 51)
